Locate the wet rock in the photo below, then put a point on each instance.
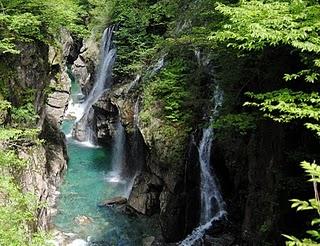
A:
(148, 241)
(145, 194)
(84, 66)
(83, 220)
(65, 239)
(172, 215)
(223, 240)
(114, 201)
(85, 129)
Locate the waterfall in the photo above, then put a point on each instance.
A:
(102, 83)
(135, 149)
(134, 83)
(197, 53)
(202, 60)
(118, 154)
(158, 66)
(136, 116)
(212, 204)
(103, 79)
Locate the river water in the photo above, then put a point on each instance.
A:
(87, 183)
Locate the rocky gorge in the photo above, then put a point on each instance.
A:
(158, 123)
(168, 185)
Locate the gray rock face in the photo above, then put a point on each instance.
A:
(161, 186)
(84, 66)
(34, 180)
(39, 67)
(80, 131)
(145, 194)
(114, 201)
(32, 69)
(223, 240)
(148, 241)
(57, 101)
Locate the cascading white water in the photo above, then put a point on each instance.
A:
(134, 83)
(135, 147)
(103, 79)
(211, 199)
(102, 83)
(212, 204)
(158, 66)
(202, 60)
(197, 53)
(118, 155)
(136, 115)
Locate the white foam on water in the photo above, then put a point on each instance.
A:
(75, 110)
(114, 177)
(87, 144)
(78, 242)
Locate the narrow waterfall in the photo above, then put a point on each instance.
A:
(212, 204)
(158, 66)
(104, 74)
(118, 154)
(135, 149)
(134, 83)
(136, 116)
(84, 121)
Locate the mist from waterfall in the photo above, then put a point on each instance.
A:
(212, 204)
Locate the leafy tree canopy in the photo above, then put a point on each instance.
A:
(27, 20)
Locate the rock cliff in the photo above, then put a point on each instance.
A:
(42, 71)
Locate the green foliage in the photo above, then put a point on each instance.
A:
(10, 159)
(19, 134)
(169, 91)
(313, 171)
(17, 211)
(141, 29)
(100, 12)
(4, 105)
(286, 105)
(24, 116)
(254, 25)
(25, 21)
(235, 123)
(170, 106)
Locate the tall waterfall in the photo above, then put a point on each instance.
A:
(136, 167)
(102, 83)
(118, 153)
(136, 115)
(103, 79)
(212, 204)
